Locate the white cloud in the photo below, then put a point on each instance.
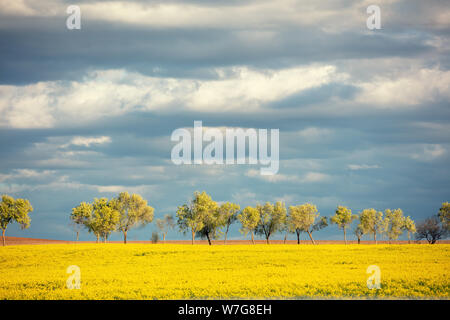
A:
(330, 16)
(87, 141)
(245, 15)
(315, 177)
(116, 92)
(429, 152)
(309, 177)
(26, 174)
(53, 181)
(362, 166)
(313, 134)
(116, 189)
(409, 89)
(16, 8)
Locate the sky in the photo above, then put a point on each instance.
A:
(363, 114)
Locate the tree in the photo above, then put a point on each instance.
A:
(302, 218)
(343, 218)
(165, 224)
(359, 232)
(444, 216)
(371, 221)
(192, 216)
(80, 216)
(249, 218)
(14, 211)
(104, 219)
(409, 226)
(212, 220)
(430, 229)
(228, 212)
(394, 223)
(272, 218)
(133, 211)
(155, 237)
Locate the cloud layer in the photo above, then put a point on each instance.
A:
(363, 115)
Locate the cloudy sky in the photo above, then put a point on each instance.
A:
(363, 114)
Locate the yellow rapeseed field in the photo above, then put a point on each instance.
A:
(168, 271)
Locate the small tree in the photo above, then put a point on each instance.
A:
(359, 232)
(444, 216)
(133, 211)
(249, 218)
(228, 213)
(343, 218)
(371, 221)
(80, 216)
(105, 218)
(165, 224)
(155, 237)
(212, 221)
(430, 229)
(272, 218)
(14, 211)
(192, 216)
(394, 223)
(303, 218)
(410, 227)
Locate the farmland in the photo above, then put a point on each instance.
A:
(175, 271)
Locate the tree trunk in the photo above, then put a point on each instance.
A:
(78, 234)
(164, 238)
(285, 237)
(3, 237)
(345, 236)
(375, 237)
(359, 240)
(125, 237)
(267, 239)
(193, 237)
(310, 236)
(298, 237)
(409, 237)
(209, 240)
(253, 239)
(97, 237)
(226, 234)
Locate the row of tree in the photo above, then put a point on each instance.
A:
(205, 218)
(104, 216)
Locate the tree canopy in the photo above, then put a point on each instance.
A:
(272, 218)
(14, 210)
(133, 211)
(305, 218)
(371, 221)
(343, 218)
(249, 219)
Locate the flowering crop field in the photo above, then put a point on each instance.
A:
(173, 271)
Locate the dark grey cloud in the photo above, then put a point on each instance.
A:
(46, 50)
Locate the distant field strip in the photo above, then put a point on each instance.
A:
(168, 271)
